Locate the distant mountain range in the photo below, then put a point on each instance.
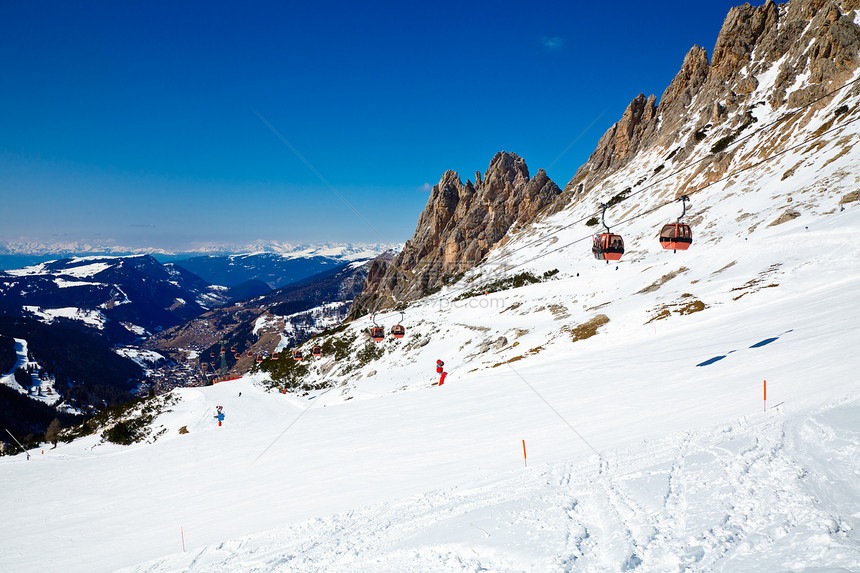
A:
(274, 269)
(81, 315)
(268, 323)
(121, 299)
(14, 254)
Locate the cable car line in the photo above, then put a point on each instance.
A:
(607, 246)
(677, 236)
(694, 163)
(734, 144)
(723, 178)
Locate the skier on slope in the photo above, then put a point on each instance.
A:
(440, 369)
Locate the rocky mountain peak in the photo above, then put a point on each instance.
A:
(458, 227)
(693, 73)
(623, 139)
(739, 35)
(814, 37)
(506, 170)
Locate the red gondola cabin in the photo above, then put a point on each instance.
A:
(608, 247)
(398, 331)
(317, 351)
(297, 354)
(676, 236)
(377, 333)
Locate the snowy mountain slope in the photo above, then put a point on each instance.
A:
(391, 473)
(637, 389)
(117, 297)
(736, 497)
(690, 338)
(41, 389)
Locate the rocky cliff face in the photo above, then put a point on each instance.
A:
(461, 223)
(767, 61)
(811, 45)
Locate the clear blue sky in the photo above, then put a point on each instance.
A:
(135, 121)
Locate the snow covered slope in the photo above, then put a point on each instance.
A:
(635, 389)
(41, 388)
(642, 449)
(119, 298)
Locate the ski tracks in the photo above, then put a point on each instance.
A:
(746, 496)
(623, 520)
(738, 497)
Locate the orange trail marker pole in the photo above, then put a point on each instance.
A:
(764, 393)
(525, 461)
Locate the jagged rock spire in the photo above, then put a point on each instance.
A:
(815, 36)
(457, 228)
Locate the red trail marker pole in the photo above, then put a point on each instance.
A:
(764, 394)
(525, 461)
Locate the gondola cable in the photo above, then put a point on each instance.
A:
(660, 206)
(693, 164)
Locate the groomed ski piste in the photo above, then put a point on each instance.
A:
(642, 451)
(649, 445)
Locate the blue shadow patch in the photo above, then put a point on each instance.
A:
(765, 342)
(711, 360)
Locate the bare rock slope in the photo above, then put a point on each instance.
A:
(811, 45)
(461, 223)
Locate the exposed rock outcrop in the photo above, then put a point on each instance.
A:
(459, 226)
(623, 139)
(704, 109)
(818, 37)
(377, 270)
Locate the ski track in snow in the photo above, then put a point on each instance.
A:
(745, 496)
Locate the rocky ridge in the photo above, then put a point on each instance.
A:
(458, 227)
(767, 60)
(811, 46)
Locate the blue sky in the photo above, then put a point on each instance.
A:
(137, 122)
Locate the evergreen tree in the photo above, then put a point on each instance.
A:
(23, 379)
(52, 434)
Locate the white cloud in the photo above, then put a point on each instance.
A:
(426, 188)
(552, 43)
